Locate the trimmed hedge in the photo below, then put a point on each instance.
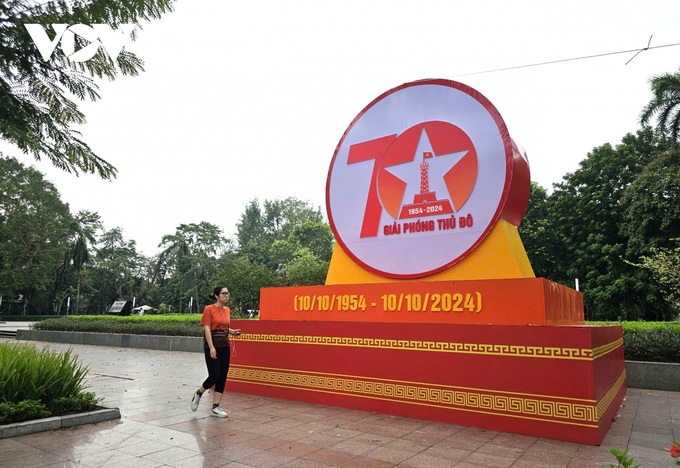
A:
(642, 341)
(652, 341)
(166, 325)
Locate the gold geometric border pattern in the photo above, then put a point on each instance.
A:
(607, 348)
(439, 346)
(607, 399)
(552, 409)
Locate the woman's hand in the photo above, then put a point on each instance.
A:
(213, 352)
(236, 332)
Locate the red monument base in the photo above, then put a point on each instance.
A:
(560, 382)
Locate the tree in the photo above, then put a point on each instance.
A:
(34, 227)
(244, 280)
(289, 232)
(539, 239)
(306, 269)
(652, 205)
(314, 237)
(188, 262)
(117, 270)
(586, 211)
(82, 235)
(664, 264)
(665, 104)
(37, 110)
(250, 226)
(259, 230)
(281, 216)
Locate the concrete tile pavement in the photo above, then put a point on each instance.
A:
(158, 429)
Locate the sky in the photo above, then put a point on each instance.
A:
(248, 100)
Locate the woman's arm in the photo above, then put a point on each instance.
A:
(208, 339)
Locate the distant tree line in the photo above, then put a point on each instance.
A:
(54, 262)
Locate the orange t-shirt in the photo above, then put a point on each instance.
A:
(217, 318)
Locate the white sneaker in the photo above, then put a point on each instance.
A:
(195, 400)
(218, 412)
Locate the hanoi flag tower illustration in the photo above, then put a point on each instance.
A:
(431, 309)
(425, 202)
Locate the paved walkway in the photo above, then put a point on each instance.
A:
(9, 329)
(158, 429)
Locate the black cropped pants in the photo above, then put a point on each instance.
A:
(217, 368)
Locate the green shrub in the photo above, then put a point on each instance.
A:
(52, 379)
(649, 341)
(84, 401)
(652, 341)
(167, 325)
(22, 411)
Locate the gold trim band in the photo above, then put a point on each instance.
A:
(607, 348)
(577, 354)
(608, 397)
(552, 409)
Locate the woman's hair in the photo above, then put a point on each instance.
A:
(216, 292)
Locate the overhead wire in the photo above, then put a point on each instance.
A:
(517, 67)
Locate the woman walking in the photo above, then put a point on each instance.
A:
(216, 331)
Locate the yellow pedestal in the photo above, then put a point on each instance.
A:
(501, 255)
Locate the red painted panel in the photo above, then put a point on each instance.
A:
(608, 343)
(519, 301)
(563, 305)
(520, 188)
(549, 381)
